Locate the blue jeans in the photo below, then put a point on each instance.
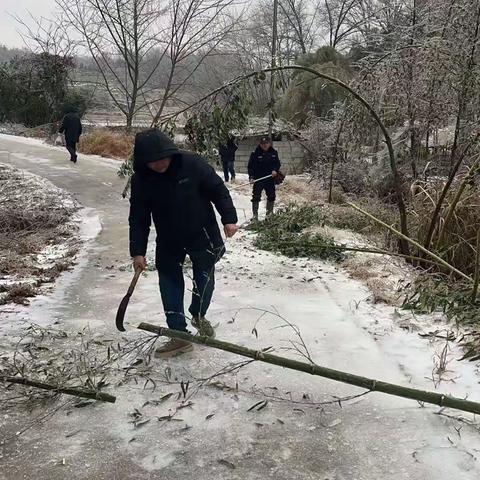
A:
(172, 284)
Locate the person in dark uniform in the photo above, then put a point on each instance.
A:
(263, 161)
(227, 155)
(72, 128)
(178, 189)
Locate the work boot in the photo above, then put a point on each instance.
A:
(255, 206)
(270, 204)
(173, 347)
(203, 326)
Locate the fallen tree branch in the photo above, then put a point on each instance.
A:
(377, 251)
(92, 394)
(413, 242)
(313, 369)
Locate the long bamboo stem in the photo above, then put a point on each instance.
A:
(92, 394)
(477, 269)
(362, 382)
(413, 242)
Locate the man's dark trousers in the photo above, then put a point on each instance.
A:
(228, 168)
(172, 284)
(258, 187)
(72, 150)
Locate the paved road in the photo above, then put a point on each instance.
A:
(375, 437)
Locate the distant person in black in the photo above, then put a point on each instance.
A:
(263, 162)
(227, 154)
(72, 127)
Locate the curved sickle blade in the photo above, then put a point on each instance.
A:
(122, 308)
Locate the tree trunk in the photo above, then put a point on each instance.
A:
(413, 147)
(129, 122)
(477, 269)
(165, 94)
(334, 157)
(273, 65)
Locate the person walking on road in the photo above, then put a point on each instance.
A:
(227, 155)
(263, 162)
(72, 128)
(177, 189)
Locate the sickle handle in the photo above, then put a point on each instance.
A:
(134, 281)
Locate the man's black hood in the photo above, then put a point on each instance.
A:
(152, 145)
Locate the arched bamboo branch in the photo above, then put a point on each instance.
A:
(404, 247)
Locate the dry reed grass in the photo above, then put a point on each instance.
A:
(106, 143)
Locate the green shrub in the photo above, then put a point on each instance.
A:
(76, 100)
(33, 88)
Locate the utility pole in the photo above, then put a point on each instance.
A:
(273, 65)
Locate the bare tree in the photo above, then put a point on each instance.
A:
(196, 28)
(119, 35)
(299, 21)
(147, 50)
(42, 35)
(296, 29)
(344, 19)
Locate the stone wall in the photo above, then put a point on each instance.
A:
(291, 155)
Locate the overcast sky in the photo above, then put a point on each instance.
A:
(8, 27)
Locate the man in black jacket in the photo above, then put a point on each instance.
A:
(263, 161)
(227, 155)
(177, 188)
(72, 127)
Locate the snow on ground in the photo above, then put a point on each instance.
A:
(160, 428)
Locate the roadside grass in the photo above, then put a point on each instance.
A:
(106, 143)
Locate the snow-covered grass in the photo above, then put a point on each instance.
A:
(37, 233)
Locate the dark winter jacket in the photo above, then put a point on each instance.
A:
(263, 163)
(179, 200)
(227, 152)
(72, 126)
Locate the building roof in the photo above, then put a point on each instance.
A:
(258, 126)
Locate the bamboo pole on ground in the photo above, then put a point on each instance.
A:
(77, 392)
(362, 382)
